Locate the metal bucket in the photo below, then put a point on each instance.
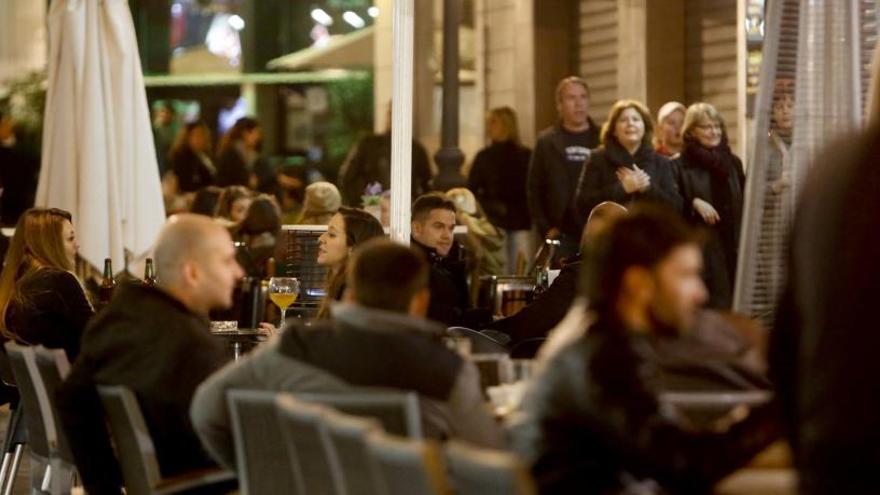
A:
(505, 295)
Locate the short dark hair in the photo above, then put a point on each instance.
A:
(645, 237)
(386, 275)
(424, 204)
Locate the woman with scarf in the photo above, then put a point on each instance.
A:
(711, 183)
(626, 168)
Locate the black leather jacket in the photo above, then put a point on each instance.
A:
(450, 295)
(593, 422)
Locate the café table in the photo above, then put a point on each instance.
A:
(240, 340)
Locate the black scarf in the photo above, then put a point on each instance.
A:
(713, 160)
(620, 157)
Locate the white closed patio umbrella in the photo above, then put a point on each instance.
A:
(98, 158)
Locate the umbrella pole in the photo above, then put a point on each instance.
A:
(401, 120)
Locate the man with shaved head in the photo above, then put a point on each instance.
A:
(155, 341)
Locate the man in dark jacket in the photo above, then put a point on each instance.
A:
(597, 419)
(378, 338)
(156, 342)
(433, 223)
(559, 156)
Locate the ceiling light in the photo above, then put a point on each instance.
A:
(355, 20)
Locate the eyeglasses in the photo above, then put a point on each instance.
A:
(709, 127)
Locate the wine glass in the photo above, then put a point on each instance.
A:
(283, 291)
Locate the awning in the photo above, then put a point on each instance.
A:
(352, 50)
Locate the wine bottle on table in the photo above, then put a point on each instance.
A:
(108, 283)
(149, 274)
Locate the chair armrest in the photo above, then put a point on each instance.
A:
(193, 479)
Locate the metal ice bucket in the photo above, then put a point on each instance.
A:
(505, 295)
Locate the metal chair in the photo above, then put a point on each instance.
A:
(307, 438)
(409, 467)
(481, 343)
(41, 429)
(349, 434)
(137, 454)
(487, 472)
(16, 430)
(262, 458)
(397, 411)
(52, 367)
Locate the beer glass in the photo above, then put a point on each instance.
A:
(283, 291)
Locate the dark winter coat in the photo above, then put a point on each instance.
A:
(52, 311)
(715, 176)
(594, 422)
(599, 181)
(151, 343)
(498, 180)
(550, 192)
(448, 284)
(192, 173)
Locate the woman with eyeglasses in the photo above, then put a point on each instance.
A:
(711, 182)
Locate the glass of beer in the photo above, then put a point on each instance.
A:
(283, 292)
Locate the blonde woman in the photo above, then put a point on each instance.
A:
(712, 180)
(498, 180)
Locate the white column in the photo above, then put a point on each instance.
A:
(401, 120)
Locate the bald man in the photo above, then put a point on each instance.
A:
(155, 341)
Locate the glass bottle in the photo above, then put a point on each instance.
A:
(108, 283)
(149, 274)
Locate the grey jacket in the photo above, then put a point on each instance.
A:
(462, 414)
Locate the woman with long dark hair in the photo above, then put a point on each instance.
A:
(238, 153)
(712, 180)
(190, 158)
(234, 203)
(41, 300)
(259, 231)
(347, 229)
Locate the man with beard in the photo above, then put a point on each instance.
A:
(594, 420)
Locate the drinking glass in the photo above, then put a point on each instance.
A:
(283, 291)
